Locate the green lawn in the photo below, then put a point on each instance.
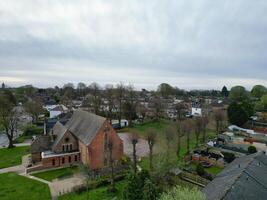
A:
(214, 170)
(13, 156)
(57, 173)
(100, 193)
(158, 126)
(13, 186)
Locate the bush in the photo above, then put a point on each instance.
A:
(252, 149)
(228, 157)
(30, 130)
(200, 170)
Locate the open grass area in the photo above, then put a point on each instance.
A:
(158, 126)
(214, 170)
(100, 193)
(13, 186)
(13, 156)
(57, 173)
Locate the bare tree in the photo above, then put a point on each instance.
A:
(130, 104)
(158, 108)
(96, 98)
(218, 117)
(142, 110)
(205, 121)
(134, 137)
(187, 129)
(180, 110)
(151, 139)
(198, 128)
(34, 108)
(8, 119)
(110, 96)
(111, 164)
(178, 137)
(169, 136)
(81, 88)
(120, 93)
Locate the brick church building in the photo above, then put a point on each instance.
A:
(83, 139)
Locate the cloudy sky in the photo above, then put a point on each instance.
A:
(187, 43)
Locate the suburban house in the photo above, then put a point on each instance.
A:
(245, 178)
(84, 138)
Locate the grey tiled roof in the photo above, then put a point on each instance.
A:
(59, 130)
(245, 178)
(85, 125)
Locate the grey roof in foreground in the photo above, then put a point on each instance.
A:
(245, 178)
(85, 125)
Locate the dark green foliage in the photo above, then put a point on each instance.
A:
(258, 91)
(32, 130)
(252, 149)
(200, 170)
(150, 190)
(237, 114)
(140, 186)
(225, 91)
(228, 157)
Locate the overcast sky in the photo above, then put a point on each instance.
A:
(187, 43)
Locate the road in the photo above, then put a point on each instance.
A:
(3, 140)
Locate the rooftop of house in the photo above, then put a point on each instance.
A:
(245, 178)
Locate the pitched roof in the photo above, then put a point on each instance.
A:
(59, 130)
(85, 125)
(41, 143)
(245, 178)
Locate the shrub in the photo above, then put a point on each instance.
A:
(30, 130)
(200, 170)
(252, 149)
(228, 157)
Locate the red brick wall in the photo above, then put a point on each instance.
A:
(48, 162)
(72, 140)
(96, 148)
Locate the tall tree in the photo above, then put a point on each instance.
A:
(178, 137)
(186, 128)
(120, 95)
(110, 96)
(198, 128)
(34, 108)
(111, 164)
(157, 108)
(151, 139)
(218, 117)
(238, 93)
(169, 137)
(81, 88)
(180, 109)
(237, 115)
(225, 91)
(96, 99)
(205, 121)
(8, 118)
(130, 104)
(134, 138)
(258, 91)
(164, 89)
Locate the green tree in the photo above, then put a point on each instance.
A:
(225, 91)
(237, 115)
(258, 91)
(183, 193)
(164, 89)
(238, 93)
(34, 108)
(264, 101)
(151, 139)
(150, 190)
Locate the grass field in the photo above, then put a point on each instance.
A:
(57, 173)
(13, 186)
(13, 156)
(214, 170)
(100, 193)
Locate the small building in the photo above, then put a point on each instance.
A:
(84, 139)
(245, 178)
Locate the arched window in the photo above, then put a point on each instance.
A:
(53, 162)
(63, 160)
(67, 147)
(69, 159)
(63, 148)
(70, 147)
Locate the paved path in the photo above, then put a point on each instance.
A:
(18, 169)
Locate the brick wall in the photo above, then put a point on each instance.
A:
(59, 161)
(70, 140)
